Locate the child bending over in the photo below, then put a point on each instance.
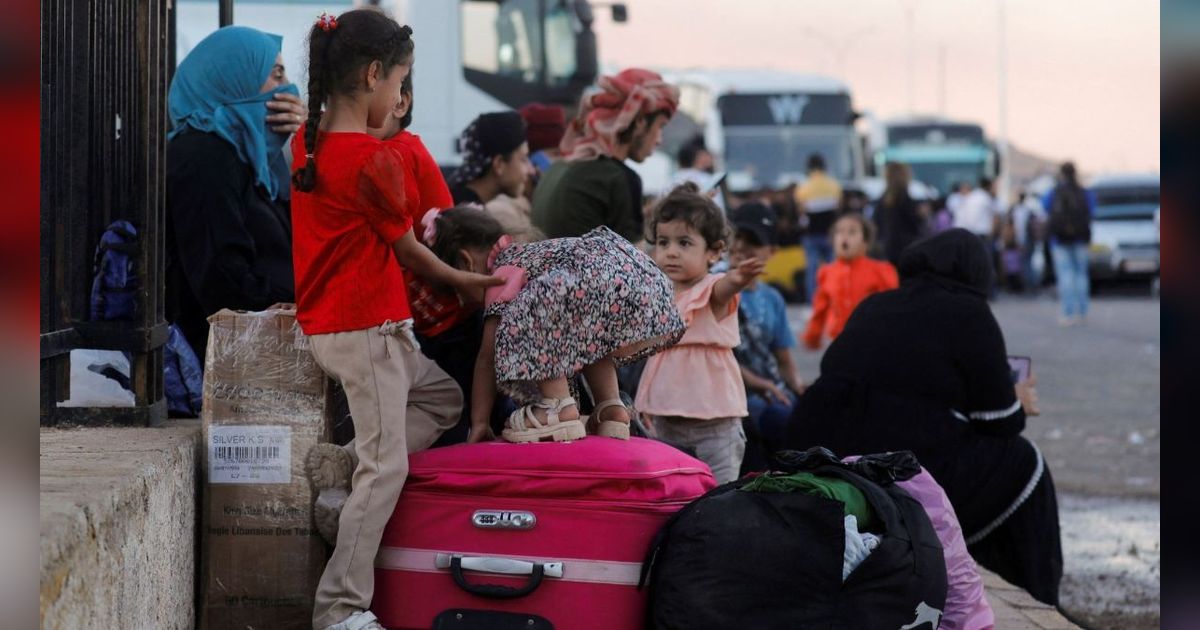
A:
(848, 280)
(693, 391)
(568, 305)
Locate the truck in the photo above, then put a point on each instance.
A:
(940, 152)
(472, 56)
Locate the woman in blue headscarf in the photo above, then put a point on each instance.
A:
(229, 228)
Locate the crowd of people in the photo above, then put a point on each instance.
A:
(504, 301)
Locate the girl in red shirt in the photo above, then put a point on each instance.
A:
(352, 241)
(848, 280)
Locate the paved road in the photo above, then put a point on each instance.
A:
(1099, 388)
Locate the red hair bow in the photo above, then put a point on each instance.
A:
(327, 22)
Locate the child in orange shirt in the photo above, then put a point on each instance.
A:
(849, 279)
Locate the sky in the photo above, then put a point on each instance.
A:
(1083, 75)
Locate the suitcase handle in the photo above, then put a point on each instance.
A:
(535, 570)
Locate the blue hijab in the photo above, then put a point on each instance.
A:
(215, 90)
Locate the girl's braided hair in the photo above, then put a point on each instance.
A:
(336, 57)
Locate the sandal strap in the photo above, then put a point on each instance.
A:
(524, 418)
(605, 404)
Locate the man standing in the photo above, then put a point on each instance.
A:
(1070, 208)
(621, 119)
(979, 213)
(495, 159)
(818, 198)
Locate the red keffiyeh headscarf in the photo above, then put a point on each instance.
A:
(609, 109)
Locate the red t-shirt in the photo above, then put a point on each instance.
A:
(347, 277)
(434, 310)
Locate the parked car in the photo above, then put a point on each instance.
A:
(1125, 239)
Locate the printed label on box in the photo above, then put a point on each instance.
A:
(249, 454)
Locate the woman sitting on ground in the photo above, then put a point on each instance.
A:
(924, 368)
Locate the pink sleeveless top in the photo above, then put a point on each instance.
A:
(697, 377)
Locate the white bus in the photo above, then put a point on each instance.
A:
(762, 125)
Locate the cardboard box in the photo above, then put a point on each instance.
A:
(264, 408)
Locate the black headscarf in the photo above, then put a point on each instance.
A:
(956, 255)
(489, 135)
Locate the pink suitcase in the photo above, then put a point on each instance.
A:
(547, 535)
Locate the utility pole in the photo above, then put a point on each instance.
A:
(942, 79)
(1002, 63)
(910, 7)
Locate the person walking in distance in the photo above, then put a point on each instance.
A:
(1070, 208)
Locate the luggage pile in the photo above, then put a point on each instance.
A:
(607, 534)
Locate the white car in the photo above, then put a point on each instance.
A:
(1125, 239)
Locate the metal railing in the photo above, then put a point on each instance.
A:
(105, 70)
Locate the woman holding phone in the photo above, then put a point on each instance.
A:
(924, 368)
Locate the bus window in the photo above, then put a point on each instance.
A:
(560, 45)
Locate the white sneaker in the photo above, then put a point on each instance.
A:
(361, 620)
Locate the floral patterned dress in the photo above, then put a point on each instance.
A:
(582, 299)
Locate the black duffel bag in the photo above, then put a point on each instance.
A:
(762, 560)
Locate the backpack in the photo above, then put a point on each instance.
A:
(114, 278)
(114, 288)
(1070, 219)
(766, 560)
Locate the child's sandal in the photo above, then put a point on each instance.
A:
(609, 428)
(524, 426)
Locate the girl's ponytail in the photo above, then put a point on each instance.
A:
(305, 178)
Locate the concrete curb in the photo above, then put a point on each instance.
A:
(118, 526)
(1016, 608)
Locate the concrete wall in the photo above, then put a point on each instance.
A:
(118, 527)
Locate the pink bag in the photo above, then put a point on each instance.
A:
(967, 607)
(552, 532)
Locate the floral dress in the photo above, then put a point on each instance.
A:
(582, 299)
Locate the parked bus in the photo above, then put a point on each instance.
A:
(762, 125)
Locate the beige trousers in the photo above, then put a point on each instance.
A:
(720, 443)
(400, 402)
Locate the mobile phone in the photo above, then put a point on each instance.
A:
(1019, 368)
(716, 181)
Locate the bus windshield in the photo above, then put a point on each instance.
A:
(775, 156)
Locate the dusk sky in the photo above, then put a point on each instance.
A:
(1083, 75)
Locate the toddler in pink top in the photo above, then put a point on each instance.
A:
(692, 393)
